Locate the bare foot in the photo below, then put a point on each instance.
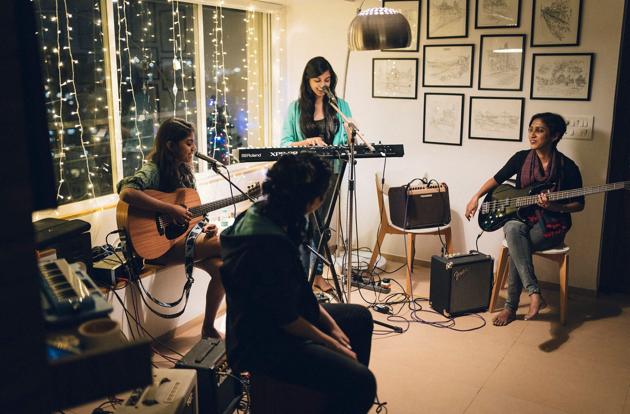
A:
(211, 333)
(322, 284)
(504, 317)
(536, 305)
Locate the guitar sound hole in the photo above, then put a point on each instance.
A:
(174, 230)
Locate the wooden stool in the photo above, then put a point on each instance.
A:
(559, 255)
(386, 227)
(271, 396)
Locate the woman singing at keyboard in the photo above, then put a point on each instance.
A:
(311, 120)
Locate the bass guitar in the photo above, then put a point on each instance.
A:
(506, 202)
(151, 234)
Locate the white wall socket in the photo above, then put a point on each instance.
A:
(579, 126)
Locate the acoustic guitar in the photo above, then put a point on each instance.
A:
(506, 202)
(152, 234)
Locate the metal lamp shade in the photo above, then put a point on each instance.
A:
(379, 28)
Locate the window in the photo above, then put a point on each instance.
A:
(166, 62)
(155, 53)
(76, 97)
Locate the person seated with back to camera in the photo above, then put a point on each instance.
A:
(275, 326)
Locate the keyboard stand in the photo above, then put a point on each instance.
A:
(323, 233)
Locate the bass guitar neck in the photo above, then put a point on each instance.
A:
(506, 202)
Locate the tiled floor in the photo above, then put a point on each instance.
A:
(526, 367)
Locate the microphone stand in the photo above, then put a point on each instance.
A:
(215, 168)
(351, 190)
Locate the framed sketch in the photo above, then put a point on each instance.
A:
(443, 118)
(495, 118)
(411, 10)
(502, 62)
(494, 14)
(395, 78)
(448, 65)
(447, 18)
(556, 22)
(562, 76)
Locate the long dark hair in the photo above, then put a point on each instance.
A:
(172, 173)
(314, 68)
(556, 124)
(292, 183)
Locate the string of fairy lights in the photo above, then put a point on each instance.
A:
(78, 113)
(254, 93)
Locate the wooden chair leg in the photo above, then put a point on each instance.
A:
(410, 239)
(377, 247)
(447, 237)
(564, 274)
(499, 277)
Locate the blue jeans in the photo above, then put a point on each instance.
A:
(522, 241)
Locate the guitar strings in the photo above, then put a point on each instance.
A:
(529, 200)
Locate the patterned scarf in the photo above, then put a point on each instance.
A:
(533, 173)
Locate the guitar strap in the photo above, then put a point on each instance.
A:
(189, 260)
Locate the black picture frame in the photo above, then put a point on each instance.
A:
(543, 34)
(415, 34)
(494, 115)
(501, 65)
(430, 109)
(450, 66)
(452, 34)
(552, 87)
(478, 16)
(377, 84)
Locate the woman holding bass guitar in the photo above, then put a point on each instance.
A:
(548, 222)
(169, 168)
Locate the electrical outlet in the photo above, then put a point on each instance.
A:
(579, 126)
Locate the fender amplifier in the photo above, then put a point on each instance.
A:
(419, 207)
(461, 283)
(220, 390)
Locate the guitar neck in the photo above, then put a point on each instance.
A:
(203, 209)
(577, 192)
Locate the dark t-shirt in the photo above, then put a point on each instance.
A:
(265, 284)
(569, 174)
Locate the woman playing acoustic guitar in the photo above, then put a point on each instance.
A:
(548, 222)
(169, 168)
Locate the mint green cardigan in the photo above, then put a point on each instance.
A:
(291, 129)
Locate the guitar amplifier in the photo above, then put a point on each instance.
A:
(419, 207)
(461, 283)
(220, 390)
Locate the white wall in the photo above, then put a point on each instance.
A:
(320, 28)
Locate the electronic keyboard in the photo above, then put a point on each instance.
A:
(69, 294)
(328, 152)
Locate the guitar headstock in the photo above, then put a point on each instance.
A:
(254, 190)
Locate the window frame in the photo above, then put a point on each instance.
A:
(272, 75)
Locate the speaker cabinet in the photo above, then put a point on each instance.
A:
(420, 207)
(219, 388)
(461, 283)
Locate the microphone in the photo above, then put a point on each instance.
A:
(328, 93)
(214, 163)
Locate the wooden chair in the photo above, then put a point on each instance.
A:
(559, 255)
(386, 227)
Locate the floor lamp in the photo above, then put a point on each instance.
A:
(372, 29)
